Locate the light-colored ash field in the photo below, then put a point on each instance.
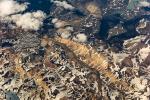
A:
(74, 49)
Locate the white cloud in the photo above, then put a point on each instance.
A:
(8, 7)
(59, 23)
(69, 28)
(80, 38)
(29, 21)
(54, 20)
(66, 34)
(144, 3)
(63, 4)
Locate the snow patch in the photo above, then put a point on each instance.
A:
(118, 57)
(139, 83)
(144, 52)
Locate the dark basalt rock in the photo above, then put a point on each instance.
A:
(9, 74)
(146, 62)
(55, 92)
(127, 62)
